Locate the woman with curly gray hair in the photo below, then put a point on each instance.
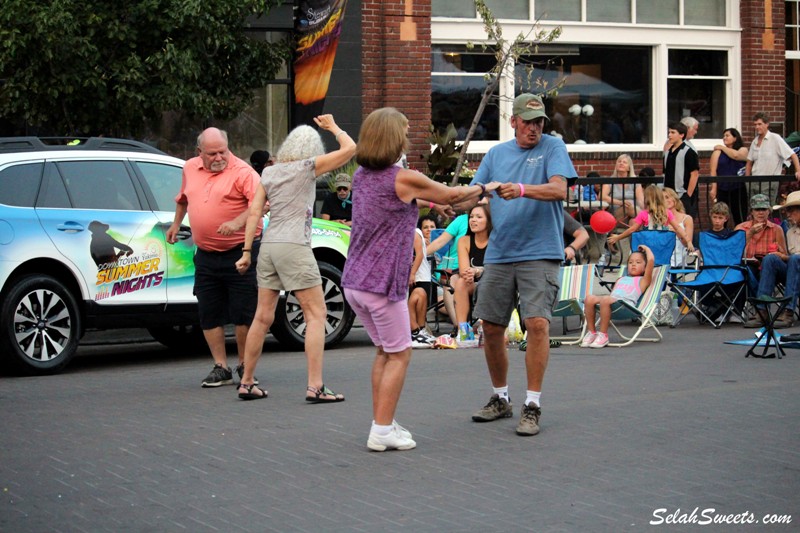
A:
(286, 262)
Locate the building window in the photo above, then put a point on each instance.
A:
(606, 96)
(457, 85)
(501, 9)
(609, 11)
(657, 11)
(696, 86)
(558, 9)
(792, 65)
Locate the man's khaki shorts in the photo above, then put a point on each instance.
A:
(537, 283)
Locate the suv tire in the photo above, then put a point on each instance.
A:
(40, 325)
(289, 326)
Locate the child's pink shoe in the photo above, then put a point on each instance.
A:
(588, 339)
(600, 341)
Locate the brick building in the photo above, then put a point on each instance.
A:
(721, 62)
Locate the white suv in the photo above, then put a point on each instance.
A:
(82, 245)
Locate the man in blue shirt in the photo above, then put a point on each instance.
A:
(525, 250)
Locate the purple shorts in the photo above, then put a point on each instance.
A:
(386, 322)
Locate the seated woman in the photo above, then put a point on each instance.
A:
(471, 249)
(673, 202)
(420, 284)
(624, 200)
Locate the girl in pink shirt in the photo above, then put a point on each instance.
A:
(654, 216)
(628, 288)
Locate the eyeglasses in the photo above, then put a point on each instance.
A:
(340, 189)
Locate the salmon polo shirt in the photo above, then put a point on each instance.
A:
(212, 198)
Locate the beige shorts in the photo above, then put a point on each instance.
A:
(284, 266)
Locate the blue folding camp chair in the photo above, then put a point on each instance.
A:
(720, 281)
(660, 242)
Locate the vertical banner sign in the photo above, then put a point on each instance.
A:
(318, 25)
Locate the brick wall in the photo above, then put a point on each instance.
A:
(396, 58)
(763, 62)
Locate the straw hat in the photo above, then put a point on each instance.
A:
(791, 201)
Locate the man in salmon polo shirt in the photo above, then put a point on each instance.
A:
(216, 191)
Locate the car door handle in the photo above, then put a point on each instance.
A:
(184, 233)
(70, 227)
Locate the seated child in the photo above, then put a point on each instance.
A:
(628, 288)
(655, 216)
(720, 213)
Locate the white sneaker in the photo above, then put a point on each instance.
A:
(420, 341)
(588, 339)
(395, 440)
(600, 341)
(400, 429)
(428, 336)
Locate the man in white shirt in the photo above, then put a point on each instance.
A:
(768, 153)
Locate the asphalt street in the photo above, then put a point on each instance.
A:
(662, 435)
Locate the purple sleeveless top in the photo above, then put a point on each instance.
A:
(382, 241)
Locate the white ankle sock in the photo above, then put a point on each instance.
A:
(502, 392)
(533, 396)
(381, 430)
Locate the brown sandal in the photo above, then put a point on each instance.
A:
(323, 391)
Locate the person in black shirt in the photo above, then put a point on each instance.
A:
(682, 168)
(338, 205)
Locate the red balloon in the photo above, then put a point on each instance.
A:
(602, 222)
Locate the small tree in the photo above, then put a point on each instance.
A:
(504, 52)
(82, 68)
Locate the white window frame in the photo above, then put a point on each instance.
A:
(660, 38)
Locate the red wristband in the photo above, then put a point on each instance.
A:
(430, 205)
(521, 190)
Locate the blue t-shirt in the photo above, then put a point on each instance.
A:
(457, 228)
(524, 229)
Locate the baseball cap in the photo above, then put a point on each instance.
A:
(528, 107)
(342, 180)
(760, 201)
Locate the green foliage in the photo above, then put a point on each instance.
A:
(348, 168)
(109, 67)
(443, 159)
(505, 52)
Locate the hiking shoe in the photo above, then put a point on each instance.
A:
(759, 320)
(395, 440)
(240, 373)
(529, 421)
(785, 320)
(600, 341)
(421, 341)
(218, 376)
(588, 339)
(496, 408)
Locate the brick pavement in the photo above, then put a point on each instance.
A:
(125, 441)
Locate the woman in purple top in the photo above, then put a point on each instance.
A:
(728, 159)
(375, 277)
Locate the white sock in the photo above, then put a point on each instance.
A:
(533, 396)
(502, 392)
(381, 430)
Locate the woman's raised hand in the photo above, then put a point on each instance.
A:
(326, 122)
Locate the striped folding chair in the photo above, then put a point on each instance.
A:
(576, 283)
(644, 310)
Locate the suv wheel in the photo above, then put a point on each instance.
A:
(289, 327)
(40, 325)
